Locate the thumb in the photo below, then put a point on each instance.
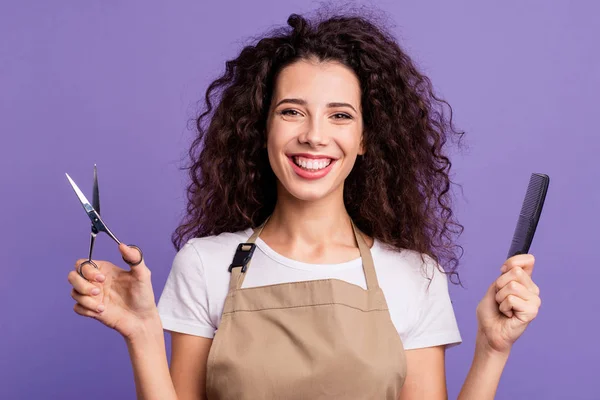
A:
(131, 255)
(489, 299)
(488, 305)
(490, 294)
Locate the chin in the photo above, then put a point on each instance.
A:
(305, 193)
(302, 190)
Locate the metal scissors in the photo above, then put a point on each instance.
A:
(98, 225)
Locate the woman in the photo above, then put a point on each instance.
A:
(309, 265)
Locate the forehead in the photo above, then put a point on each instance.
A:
(316, 81)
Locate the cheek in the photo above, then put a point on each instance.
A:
(279, 137)
(275, 144)
(275, 132)
(350, 142)
(275, 150)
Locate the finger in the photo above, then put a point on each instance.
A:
(517, 274)
(514, 288)
(131, 253)
(87, 302)
(90, 273)
(82, 286)
(525, 261)
(79, 309)
(524, 310)
(134, 257)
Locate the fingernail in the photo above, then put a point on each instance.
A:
(100, 278)
(100, 307)
(95, 291)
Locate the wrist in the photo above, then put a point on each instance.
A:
(485, 372)
(484, 350)
(149, 329)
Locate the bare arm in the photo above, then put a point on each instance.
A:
(187, 375)
(484, 375)
(149, 361)
(188, 365)
(426, 375)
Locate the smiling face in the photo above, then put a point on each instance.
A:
(314, 128)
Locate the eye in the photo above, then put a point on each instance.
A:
(290, 112)
(342, 116)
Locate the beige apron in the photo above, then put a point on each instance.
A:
(320, 339)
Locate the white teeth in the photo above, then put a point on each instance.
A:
(312, 164)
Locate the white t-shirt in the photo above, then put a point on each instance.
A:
(194, 294)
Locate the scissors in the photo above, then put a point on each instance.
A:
(98, 225)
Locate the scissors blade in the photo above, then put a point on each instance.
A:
(96, 195)
(98, 224)
(84, 201)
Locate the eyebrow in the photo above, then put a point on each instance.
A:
(303, 103)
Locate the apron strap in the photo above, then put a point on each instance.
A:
(367, 260)
(237, 276)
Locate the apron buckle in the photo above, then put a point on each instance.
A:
(242, 256)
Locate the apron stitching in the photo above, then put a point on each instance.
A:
(308, 305)
(304, 282)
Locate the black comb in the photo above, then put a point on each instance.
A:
(530, 214)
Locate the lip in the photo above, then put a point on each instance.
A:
(310, 175)
(312, 156)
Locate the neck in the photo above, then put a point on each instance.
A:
(311, 223)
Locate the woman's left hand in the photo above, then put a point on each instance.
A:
(509, 305)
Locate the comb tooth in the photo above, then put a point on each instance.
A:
(520, 235)
(530, 214)
(532, 197)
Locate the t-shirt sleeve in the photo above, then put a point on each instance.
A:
(183, 305)
(436, 323)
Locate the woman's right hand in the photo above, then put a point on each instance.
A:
(127, 296)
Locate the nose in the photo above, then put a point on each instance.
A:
(314, 134)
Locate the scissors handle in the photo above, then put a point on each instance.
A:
(93, 264)
(80, 269)
(133, 264)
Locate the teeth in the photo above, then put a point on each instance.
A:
(312, 164)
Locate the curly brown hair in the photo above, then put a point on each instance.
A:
(398, 192)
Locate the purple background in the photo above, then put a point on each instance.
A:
(116, 82)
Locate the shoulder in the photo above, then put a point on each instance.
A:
(205, 251)
(220, 242)
(418, 267)
(416, 290)
(409, 278)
